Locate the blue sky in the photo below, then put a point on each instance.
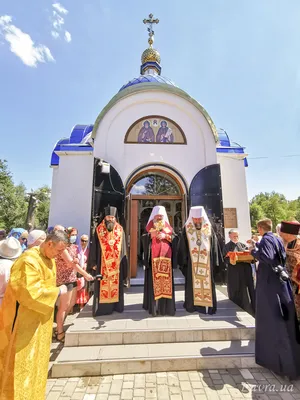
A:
(239, 58)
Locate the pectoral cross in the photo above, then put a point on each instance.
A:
(150, 21)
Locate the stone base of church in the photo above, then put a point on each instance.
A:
(135, 342)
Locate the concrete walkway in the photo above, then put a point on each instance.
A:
(194, 385)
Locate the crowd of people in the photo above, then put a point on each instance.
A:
(42, 272)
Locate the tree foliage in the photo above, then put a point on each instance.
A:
(159, 185)
(41, 214)
(274, 206)
(14, 202)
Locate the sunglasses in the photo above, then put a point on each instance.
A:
(84, 241)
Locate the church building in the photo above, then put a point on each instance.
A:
(152, 144)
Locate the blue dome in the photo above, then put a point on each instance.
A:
(148, 79)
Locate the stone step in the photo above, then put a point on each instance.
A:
(159, 331)
(142, 358)
(136, 326)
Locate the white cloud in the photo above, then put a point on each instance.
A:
(61, 9)
(22, 45)
(68, 37)
(55, 34)
(58, 21)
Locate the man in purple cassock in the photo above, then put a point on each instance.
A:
(277, 335)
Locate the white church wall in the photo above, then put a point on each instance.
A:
(72, 192)
(235, 194)
(199, 152)
(55, 195)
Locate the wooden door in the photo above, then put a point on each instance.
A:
(133, 242)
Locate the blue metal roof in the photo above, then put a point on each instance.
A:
(224, 138)
(79, 132)
(148, 78)
(229, 147)
(75, 142)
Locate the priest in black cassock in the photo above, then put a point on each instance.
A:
(159, 259)
(108, 258)
(277, 335)
(197, 257)
(240, 283)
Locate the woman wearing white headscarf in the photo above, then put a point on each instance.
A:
(159, 246)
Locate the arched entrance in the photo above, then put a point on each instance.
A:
(148, 187)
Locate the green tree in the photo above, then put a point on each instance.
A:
(256, 213)
(41, 213)
(274, 206)
(13, 205)
(159, 185)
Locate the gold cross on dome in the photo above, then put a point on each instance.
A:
(150, 21)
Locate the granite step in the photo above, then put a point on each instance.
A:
(136, 326)
(161, 330)
(142, 358)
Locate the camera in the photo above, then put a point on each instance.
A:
(280, 271)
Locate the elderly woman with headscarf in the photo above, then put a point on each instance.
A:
(21, 235)
(67, 264)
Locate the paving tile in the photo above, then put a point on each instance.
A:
(128, 377)
(162, 380)
(78, 396)
(228, 379)
(197, 384)
(115, 388)
(258, 376)
(175, 397)
(183, 376)
(118, 377)
(104, 388)
(204, 373)
(102, 397)
(126, 394)
(185, 386)
(246, 374)
(215, 376)
(211, 393)
(194, 376)
(188, 396)
(69, 389)
(151, 393)
(162, 392)
(139, 392)
(89, 396)
(151, 378)
(53, 396)
(127, 385)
